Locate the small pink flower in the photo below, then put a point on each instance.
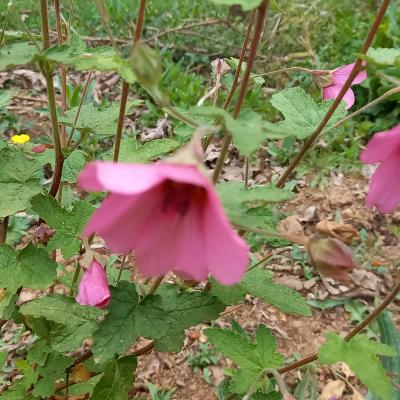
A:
(93, 287)
(40, 148)
(170, 215)
(384, 190)
(338, 79)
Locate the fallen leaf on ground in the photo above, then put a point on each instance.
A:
(344, 232)
(334, 389)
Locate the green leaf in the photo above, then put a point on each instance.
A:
(183, 310)
(16, 54)
(126, 319)
(85, 387)
(18, 180)
(116, 380)
(7, 301)
(360, 354)
(66, 53)
(252, 357)
(38, 353)
(3, 358)
(5, 98)
(384, 56)
(234, 63)
(102, 121)
(18, 388)
(31, 267)
(258, 283)
(249, 130)
(68, 224)
(245, 4)
(302, 114)
(54, 368)
(133, 151)
(76, 322)
(73, 165)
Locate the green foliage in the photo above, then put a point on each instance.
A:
(18, 388)
(16, 54)
(257, 282)
(238, 200)
(234, 63)
(38, 353)
(5, 98)
(249, 130)
(53, 369)
(116, 380)
(159, 394)
(73, 165)
(302, 114)
(19, 180)
(102, 121)
(252, 357)
(360, 354)
(30, 267)
(246, 4)
(183, 310)
(383, 56)
(202, 357)
(68, 224)
(7, 302)
(133, 151)
(74, 322)
(127, 319)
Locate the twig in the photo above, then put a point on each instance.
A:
(259, 28)
(155, 285)
(3, 229)
(389, 298)
(356, 69)
(63, 73)
(125, 85)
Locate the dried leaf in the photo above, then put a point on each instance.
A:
(344, 232)
(334, 389)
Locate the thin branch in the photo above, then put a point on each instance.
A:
(125, 85)
(63, 73)
(258, 30)
(3, 229)
(155, 285)
(371, 317)
(356, 69)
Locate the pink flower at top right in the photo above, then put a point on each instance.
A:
(339, 77)
(384, 189)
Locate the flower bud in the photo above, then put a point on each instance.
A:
(331, 257)
(40, 148)
(93, 287)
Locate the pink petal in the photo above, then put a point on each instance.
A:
(332, 91)
(341, 74)
(384, 189)
(128, 179)
(93, 287)
(381, 146)
(227, 254)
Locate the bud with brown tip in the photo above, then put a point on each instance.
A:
(331, 257)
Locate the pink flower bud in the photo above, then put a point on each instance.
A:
(40, 148)
(93, 287)
(331, 257)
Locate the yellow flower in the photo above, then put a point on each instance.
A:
(20, 139)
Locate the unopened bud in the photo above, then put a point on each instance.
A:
(40, 148)
(331, 257)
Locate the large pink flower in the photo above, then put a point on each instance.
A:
(339, 78)
(93, 287)
(170, 215)
(384, 190)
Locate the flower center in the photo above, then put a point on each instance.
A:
(179, 197)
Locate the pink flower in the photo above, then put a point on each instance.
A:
(40, 148)
(384, 190)
(170, 215)
(93, 287)
(338, 79)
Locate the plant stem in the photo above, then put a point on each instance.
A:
(356, 69)
(3, 229)
(75, 279)
(63, 73)
(388, 299)
(121, 267)
(5, 23)
(155, 285)
(258, 30)
(125, 85)
(47, 72)
(78, 111)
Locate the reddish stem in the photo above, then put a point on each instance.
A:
(125, 85)
(356, 69)
(3, 230)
